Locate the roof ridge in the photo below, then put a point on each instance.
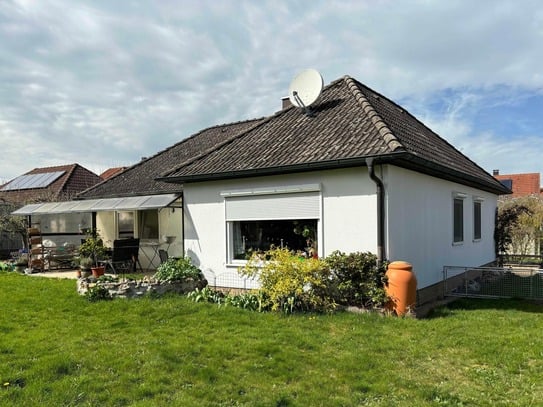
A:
(218, 146)
(66, 178)
(387, 135)
(184, 141)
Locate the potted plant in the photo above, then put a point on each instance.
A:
(85, 264)
(21, 263)
(93, 248)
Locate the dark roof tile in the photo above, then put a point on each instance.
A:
(350, 122)
(139, 179)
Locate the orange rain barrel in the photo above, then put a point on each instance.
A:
(401, 287)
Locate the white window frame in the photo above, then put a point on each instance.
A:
(290, 191)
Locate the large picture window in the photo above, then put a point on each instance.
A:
(253, 236)
(280, 216)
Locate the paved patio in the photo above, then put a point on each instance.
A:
(72, 274)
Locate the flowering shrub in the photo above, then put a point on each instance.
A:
(290, 283)
(178, 270)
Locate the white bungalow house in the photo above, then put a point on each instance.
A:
(360, 174)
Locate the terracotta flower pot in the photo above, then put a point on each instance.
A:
(98, 271)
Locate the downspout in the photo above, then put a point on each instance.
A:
(183, 224)
(381, 253)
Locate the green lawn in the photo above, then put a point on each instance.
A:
(57, 349)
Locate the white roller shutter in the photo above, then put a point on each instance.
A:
(301, 205)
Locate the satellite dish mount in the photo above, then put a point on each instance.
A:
(305, 89)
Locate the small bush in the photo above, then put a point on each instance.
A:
(178, 270)
(356, 279)
(206, 294)
(290, 283)
(250, 301)
(97, 293)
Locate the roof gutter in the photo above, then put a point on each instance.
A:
(280, 169)
(381, 252)
(399, 158)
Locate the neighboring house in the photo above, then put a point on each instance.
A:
(46, 185)
(521, 184)
(360, 174)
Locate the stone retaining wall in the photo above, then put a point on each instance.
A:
(132, 288)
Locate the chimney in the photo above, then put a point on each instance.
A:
(495, 172)
(285, 102)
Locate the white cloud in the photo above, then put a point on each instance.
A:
(121, 80)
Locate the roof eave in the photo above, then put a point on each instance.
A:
(416, 163)
(281, 169)
(401, 159)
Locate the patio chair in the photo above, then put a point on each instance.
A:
(124, 256)
(163, 254)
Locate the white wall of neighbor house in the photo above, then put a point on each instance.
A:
(346, 219)
(420, 223)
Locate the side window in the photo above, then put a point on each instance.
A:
(477, 219)
(458, 219)
(125, 224)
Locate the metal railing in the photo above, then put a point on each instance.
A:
(493, 282)
(230, 279)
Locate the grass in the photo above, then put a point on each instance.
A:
(58, 349)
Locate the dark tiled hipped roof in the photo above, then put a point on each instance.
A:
(350, 123)
(139, 179)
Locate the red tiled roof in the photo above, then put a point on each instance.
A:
(110, 172)
(522, 184)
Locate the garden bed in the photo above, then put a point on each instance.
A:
(138, 288)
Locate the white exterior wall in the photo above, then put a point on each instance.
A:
(419, 220)
(347, 220)
(420, 224)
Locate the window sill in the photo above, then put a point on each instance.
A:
(458, 243)
(239, 263)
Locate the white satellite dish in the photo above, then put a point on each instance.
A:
(305, 88)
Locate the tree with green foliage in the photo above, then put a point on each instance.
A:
(12, 225)
(519, 225)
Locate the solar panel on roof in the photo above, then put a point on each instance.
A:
(31, 181)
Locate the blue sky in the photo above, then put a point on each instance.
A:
(104, 83)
